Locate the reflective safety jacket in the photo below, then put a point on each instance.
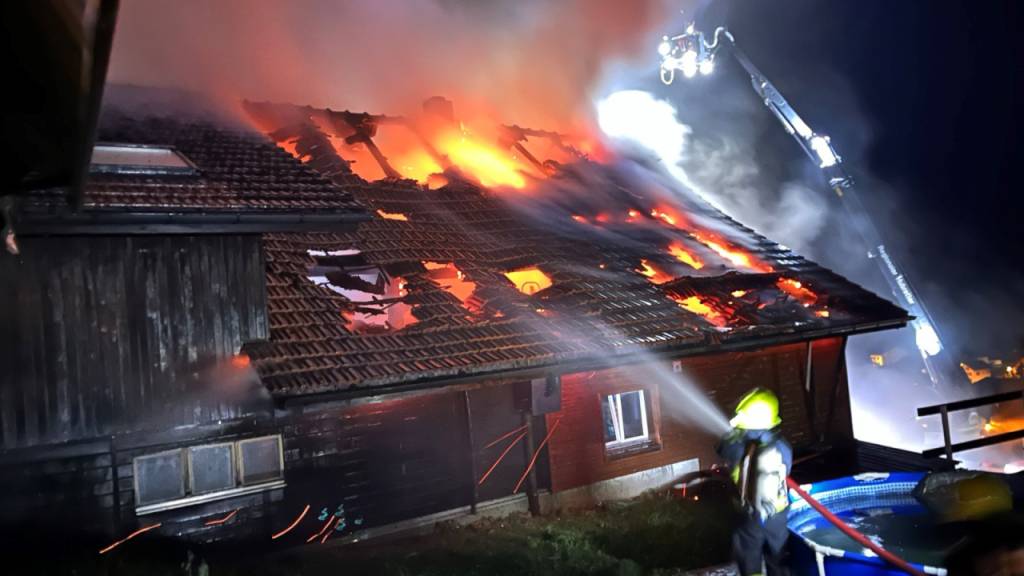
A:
(760, 461)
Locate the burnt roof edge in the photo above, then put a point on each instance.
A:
(354, 395)
(95, 222)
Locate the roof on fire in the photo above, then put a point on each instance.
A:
(601, 304)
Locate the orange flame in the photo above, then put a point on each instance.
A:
(655, 275)
(697, 305)
(676, 249)
(392, 215)
(736, 256)
(488, 164)
(669, 216)
(797, 290)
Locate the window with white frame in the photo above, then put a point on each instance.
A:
(206, 472)
(625, 420)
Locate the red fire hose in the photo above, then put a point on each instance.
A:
(846, 529)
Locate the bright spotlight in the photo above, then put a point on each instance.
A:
(688, 63)
(707, 67)
(665, 47)
(927, 339)
(824, 151)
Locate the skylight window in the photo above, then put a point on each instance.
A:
(136, 159)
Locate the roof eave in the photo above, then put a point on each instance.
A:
(200, 222)
(584, 364)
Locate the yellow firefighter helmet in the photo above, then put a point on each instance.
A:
(758, 410)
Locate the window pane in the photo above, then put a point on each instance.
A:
(261, 459)
(138, 160)
(159, 477)
(212, 468)
(632, 417)
(609, 419)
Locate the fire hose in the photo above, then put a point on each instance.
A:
(849, 531)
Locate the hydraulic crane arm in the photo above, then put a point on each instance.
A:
(690, 53)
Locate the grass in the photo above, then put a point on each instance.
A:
(651, 535)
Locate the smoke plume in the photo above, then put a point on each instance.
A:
(531, 62)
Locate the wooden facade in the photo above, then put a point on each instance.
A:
(111, 334)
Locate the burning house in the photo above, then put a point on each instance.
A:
(296, 324)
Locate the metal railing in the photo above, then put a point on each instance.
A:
(949, 448)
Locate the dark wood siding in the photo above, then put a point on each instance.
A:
(108, 334)
(384, 462)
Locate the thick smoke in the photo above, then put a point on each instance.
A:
(529, 62)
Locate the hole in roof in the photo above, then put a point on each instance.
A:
(450, 279)
(139, 159)
(291, 146)
(529, 280)
(702, 306)
(377, 301)
(399, 147)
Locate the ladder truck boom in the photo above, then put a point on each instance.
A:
(690, 53)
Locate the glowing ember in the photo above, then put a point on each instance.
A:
(878, 360)
(681, 254)
(602, 218)
(655, 275)
(696, 305)
(633, 216)
(822, 313)
(738, 293)
(529, 280)
(488, 164)
(240, 361)
(797, 290)
(580, 219)
(669, 216)
(736, 256)
(392, 215)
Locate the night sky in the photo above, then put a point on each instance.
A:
(921, 96)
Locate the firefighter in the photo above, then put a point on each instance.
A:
(760, 461)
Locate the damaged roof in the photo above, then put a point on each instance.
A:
(233, 169)
(584, 265)
(609, 288)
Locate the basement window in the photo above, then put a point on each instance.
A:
(626, 425)
(199, 474)
(139, 159)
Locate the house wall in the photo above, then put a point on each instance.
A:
(111, 334)
(577, 450)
